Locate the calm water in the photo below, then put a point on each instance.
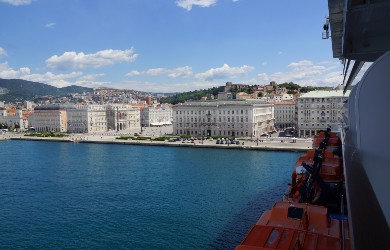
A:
(64, 195)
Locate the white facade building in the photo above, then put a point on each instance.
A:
(122, 117)
(87, 119)
(318, 110)
(13, 121)
(250, 118)
(284, 114)
(156, 116)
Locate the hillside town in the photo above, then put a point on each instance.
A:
(232, 113)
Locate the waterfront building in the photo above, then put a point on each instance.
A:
(247, 118)
(87, 119)
(49, 118)
(318, 110)
(13, 120)
(284, 114)
(156, 116)
(122, 117)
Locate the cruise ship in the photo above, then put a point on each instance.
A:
(360, 34)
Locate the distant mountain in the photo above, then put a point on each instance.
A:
(20, 90)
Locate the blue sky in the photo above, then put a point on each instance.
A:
(166, 45)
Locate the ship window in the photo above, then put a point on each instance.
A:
(295, 213)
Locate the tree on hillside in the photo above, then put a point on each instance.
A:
(290, 86)
(191, 95)
(260, 94)
(307, 89)
(249, 90)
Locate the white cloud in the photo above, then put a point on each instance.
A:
(235, 1)
(264, 63)
(25, 71)
(180, 72)
(224, 72)
(134, 73)
(2, 52)
(17, 2)
(165, 87)
(187, 4)
(305, 73)
(57, 80)
(156, 71)
(90, 81)
(9, 73)
(50, 25)
(91, 77)
(73, 60)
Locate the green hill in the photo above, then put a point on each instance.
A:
(20, 90)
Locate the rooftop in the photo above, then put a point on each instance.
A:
(325, 93)
(247, 102)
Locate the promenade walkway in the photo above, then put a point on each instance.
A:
(274, 143)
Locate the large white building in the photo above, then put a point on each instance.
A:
(318, 110)
(284, 114)
(13, 121)
(123, 117)
(87, 119)
(156, 116)
(247, 118)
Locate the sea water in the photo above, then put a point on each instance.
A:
(56, 195)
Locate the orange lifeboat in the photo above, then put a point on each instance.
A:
(333, 142)
(292, 225)
(331, 167)
(325, 184)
